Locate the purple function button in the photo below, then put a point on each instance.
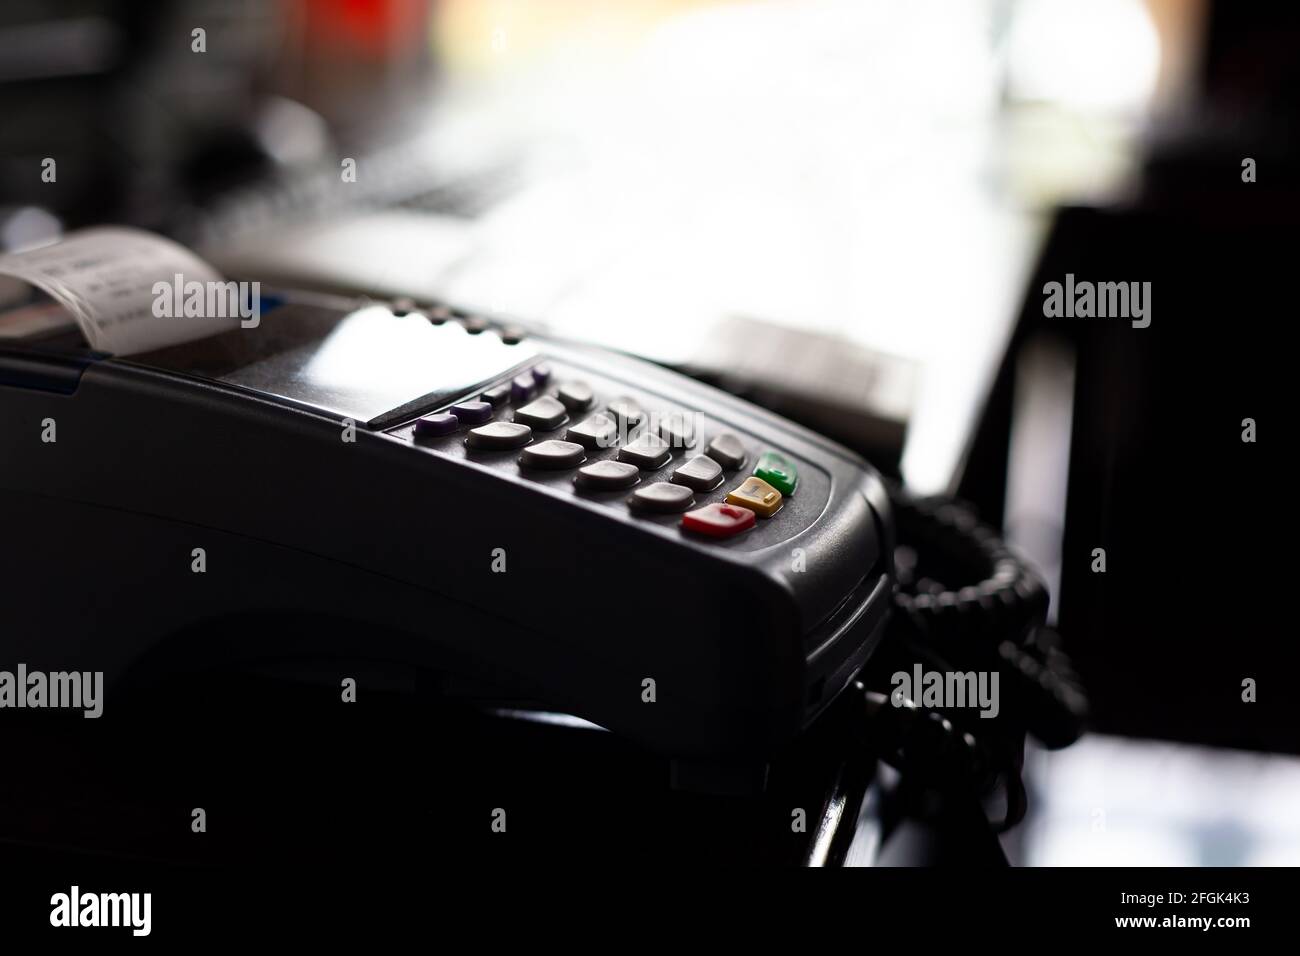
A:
(472, 413)
(436, 425)
(542, 373)
(523, 387)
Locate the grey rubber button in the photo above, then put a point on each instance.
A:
(495, 436)
(661, 497)
(678, 429)
(701, 473)
(726, 449)
(553, 454)
(626, 412)
(543, 414)
(598, 431)
(576, 396)
(648, 452)
(607, 475)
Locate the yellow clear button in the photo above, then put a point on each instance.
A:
(756, 495)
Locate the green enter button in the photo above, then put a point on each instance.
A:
(778, 471)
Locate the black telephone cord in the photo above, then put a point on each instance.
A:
(965, 601)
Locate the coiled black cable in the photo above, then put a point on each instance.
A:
(967, 602)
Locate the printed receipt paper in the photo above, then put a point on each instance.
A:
(106, 278)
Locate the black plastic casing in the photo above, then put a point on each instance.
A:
(394, 544)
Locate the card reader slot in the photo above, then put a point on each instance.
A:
(839, 646)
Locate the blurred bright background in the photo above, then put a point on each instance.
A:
(877, 173)
(670, 177)
(1108, 801)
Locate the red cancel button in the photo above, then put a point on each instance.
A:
(718, 520)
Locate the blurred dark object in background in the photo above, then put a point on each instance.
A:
(1191, 517)
(146, 128)
(141, 127)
